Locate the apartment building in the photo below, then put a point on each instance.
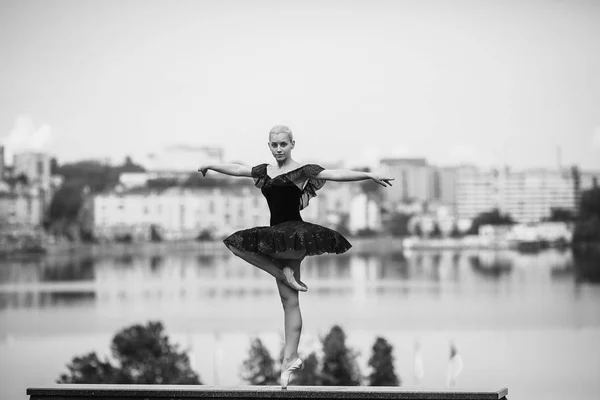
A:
(414, 180)
(527, 196)
(179, 212)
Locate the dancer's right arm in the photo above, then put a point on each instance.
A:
(227, 169)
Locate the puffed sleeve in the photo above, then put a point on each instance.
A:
(259, 174)
(308, 173)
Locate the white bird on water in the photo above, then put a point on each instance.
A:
(418, 370)
(455, 366)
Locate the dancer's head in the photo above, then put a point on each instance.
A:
(281, 142)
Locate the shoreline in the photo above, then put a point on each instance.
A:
(360, 245)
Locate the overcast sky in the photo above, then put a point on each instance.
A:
(489, 82)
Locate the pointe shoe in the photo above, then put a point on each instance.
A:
(297, 364)
(288, 274)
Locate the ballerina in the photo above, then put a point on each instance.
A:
(280, 248)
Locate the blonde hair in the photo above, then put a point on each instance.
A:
(282, 129)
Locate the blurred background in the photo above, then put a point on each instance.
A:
(479, 268)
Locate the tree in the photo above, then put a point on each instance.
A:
(130, 166)
(587, 260)
(196, 180)
(418, 231)
(96, 175)
(586, 238)
(455, 233)
(436, 232)
(340, 367)
(162, 183)
(366, 232)
(382, 362)
(493, 217)
(398, 224)
(205, 235)
(259, 367)
(587, 227)
(155, 235)
(144, 355)
(558, 214)
(53, 166)
(65, 203)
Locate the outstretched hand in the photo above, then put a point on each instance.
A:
(382, 180)
(203, 169)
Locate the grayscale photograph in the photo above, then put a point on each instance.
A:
(299, 199)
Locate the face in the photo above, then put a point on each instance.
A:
(281, 146)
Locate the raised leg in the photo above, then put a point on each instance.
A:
(268, 264)
(289, 261)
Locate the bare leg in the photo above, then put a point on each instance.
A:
(268, 265)
(291, 270)
(292, 316)
(261, 261)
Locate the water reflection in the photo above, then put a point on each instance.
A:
(81, 269)
(493, 266)
(587, 264)
(190, 277)
(156, 263)
(502, 304)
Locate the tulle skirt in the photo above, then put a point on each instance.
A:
(289, 235)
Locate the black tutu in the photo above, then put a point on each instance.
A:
(290, 235)
(286, 195)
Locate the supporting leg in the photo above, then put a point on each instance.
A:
(292, 320)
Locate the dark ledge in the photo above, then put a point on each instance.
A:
(173, 392)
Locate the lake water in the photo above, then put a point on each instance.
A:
(529, 322)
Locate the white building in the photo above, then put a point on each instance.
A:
(414, 179)
(476, 192)
(527, 196)
(36, 166)
(364, 214)
(25, 203)
(185, 212)
(22, 205)
(179, 213)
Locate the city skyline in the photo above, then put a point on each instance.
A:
(470, 82)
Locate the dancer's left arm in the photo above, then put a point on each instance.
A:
(345, 175)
